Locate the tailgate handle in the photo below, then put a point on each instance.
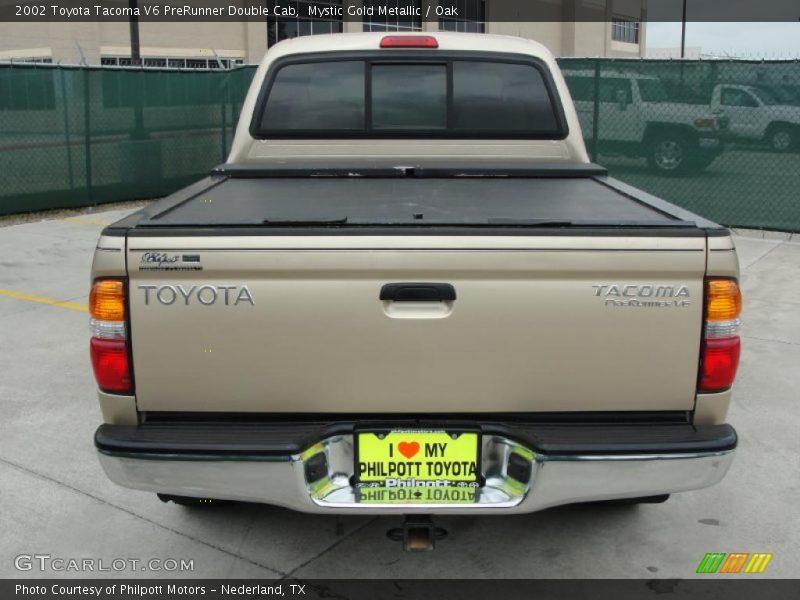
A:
(418, 292)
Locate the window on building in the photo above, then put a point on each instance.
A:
(31, 59)
(625, 30)
(172, 63)
(395, 22)
(471, 16)
(282, 28)
(155, 62)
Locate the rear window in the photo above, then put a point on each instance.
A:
(440, 98)
(304, 96)
(409, 97)
(490, 96)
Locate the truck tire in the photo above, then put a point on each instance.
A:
(781, 138)
(670, 153)
(192, 502)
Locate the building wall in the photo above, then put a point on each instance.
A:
(74, 42)
(578, 27)
(69, 43)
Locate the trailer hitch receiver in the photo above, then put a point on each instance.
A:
(418, 533)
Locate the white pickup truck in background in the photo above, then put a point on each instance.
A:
(767, 114)
(637, 119)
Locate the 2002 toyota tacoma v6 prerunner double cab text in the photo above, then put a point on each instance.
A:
(409, 291)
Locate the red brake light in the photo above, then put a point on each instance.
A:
(409, 41)
(720, 361)
(111, 366)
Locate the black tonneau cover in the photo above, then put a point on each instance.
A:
(417, 199)
(554, 197)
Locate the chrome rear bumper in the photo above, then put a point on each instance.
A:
(518, 479)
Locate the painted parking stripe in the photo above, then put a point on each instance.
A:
(44, 300)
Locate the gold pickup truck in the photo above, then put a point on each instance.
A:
(409, 291)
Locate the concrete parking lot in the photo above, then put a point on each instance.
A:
(54, 498)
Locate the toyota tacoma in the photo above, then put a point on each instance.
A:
(409, 291)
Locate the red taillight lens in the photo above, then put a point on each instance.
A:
(720, 361)
(409, 41)
(111, 366)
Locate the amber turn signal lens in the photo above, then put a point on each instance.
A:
(724, 300)
(107, 300)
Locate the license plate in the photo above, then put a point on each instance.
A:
(414, 458)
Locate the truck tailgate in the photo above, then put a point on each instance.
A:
(295, 324)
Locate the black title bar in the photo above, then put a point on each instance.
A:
(745, 587)
(402, 10)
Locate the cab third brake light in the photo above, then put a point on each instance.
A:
(409, 41)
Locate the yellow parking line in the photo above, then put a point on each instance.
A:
(43, 300)
(84, 221)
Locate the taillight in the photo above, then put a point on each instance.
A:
(409, 41)
(109, 347)
(111, 365)
(721, 343)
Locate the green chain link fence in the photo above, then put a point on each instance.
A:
(78, 136)
(721, 138)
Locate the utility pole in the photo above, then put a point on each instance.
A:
(683, 46)
(138, 132)
(133, 22)
(683, 31)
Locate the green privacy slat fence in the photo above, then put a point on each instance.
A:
(74, 136)
(721, 138)
(651, 113)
